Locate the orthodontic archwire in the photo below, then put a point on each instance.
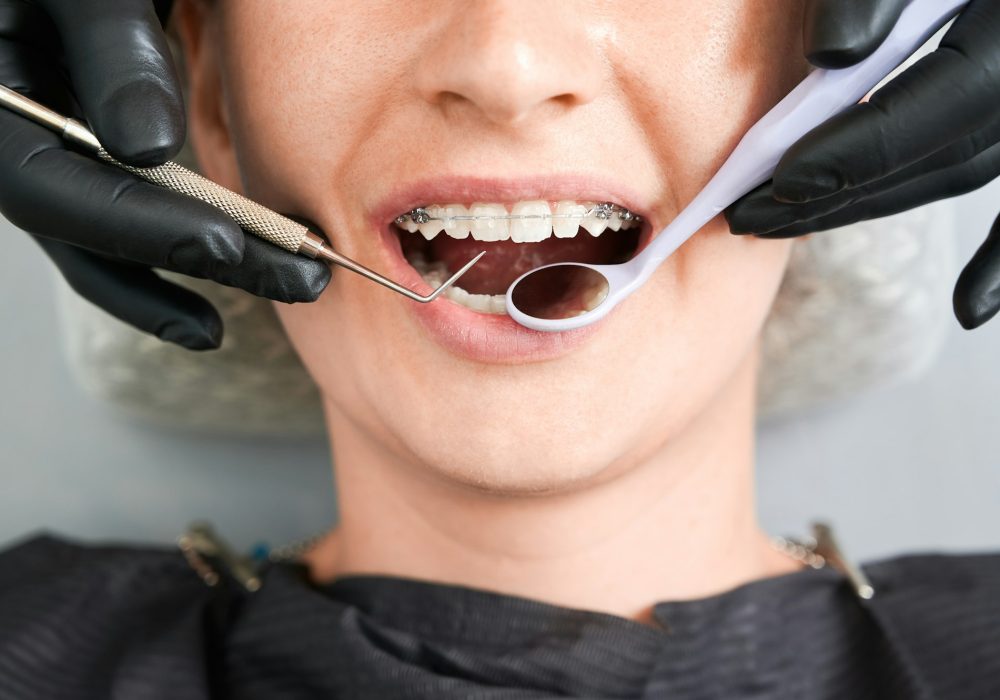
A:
(603, 211)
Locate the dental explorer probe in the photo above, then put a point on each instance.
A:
(251, 216)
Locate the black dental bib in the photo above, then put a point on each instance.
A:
(81, 622)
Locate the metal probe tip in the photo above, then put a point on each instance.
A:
(324, 252)
(451, 280)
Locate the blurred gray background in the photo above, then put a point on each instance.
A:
(905, 468)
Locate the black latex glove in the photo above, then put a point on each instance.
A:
(108, 62)
(932, 133)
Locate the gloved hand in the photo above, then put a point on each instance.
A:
(108, 62)
(932, 133)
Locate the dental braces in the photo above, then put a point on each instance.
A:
(603, 211)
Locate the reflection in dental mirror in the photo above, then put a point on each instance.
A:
(559, 292)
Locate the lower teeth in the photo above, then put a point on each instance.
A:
(435, 274)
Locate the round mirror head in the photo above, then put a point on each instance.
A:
(558, 292)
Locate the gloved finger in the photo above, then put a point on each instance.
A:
(139, 297)
(759, 212)
(977, 293)
(61, 194)
(839, 34)
(123, 76)
(945, 96)
(942, 184)
(67, 196)
(30, 71)
(26, 24)
(269, 271)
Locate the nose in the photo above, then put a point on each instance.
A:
(507, 59)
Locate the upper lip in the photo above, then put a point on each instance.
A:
(466, 190)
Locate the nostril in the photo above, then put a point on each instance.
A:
(503, 63)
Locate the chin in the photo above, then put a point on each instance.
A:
(508, 471)
(545, 448)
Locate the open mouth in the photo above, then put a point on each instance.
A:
(438, 239)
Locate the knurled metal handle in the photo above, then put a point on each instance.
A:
(254, 218)
(258, 220)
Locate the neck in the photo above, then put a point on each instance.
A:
(679, 525)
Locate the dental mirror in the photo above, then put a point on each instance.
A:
(560, 291)
(565, 296)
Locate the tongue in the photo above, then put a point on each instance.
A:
(505, 261)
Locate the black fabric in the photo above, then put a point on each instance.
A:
(125, 623)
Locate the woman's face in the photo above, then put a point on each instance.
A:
(351, 113)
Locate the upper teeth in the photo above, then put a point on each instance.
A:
(527, 222)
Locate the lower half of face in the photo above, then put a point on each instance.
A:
(601, 401)
(456, 109)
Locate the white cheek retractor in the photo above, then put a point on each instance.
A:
(564, 296)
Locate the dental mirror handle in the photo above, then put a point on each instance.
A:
(822, 95)
(251, 216)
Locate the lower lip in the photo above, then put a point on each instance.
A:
(476, 336)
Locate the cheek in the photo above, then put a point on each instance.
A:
(703, 313)
(721, 288)
(303, 91)
(347, 348)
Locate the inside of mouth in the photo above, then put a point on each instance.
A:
(506, 260)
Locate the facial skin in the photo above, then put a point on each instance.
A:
(327, 110)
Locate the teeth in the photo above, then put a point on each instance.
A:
(456, 229)
(491, 227)
(436, 274)
(594, 225)
(527, 222)
(495, 304)
(434, 226)
(531, 230)
(567, 227)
